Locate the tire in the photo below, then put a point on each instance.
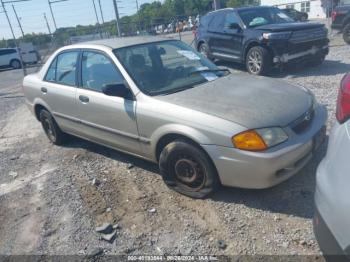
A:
(346, 33)
(204, 50)
(258, 60)
(15, 64)
(52, 130)
(188, 170)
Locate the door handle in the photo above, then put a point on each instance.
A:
(84, 99)
(44, 90)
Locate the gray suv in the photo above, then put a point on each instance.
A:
(161, 100)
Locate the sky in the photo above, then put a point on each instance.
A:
(68, 13)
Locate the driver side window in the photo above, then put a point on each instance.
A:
(230, 19)
(98, 71)
(66, 68)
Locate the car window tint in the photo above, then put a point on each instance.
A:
(230, 19)
(51, 72)
(218, 21)
(98, 70)
(66, 68)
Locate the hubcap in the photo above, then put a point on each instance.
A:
(203, 50)
(254, 62)
(48, 129)
(190, 173)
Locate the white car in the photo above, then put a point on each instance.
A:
(332, 197)
(9, 57)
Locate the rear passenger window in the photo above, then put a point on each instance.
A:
(51, 72)
(66, 68)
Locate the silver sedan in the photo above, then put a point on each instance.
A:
(161, 100)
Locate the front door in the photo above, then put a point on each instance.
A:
(105, 119)
(232, 37)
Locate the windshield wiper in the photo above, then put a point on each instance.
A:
(209, 70)
(176, 90)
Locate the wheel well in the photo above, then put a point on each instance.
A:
(14, 59)
(167, 139)
(37, 110)
(253, 44)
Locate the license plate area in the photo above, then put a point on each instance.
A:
(319, 138)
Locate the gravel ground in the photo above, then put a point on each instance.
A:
(52, 198)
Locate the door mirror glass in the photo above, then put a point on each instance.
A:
(118, 90)
(234, 26)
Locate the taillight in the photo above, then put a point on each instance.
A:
(343, 105)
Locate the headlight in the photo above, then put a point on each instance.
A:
(282, 35)
(259, 139)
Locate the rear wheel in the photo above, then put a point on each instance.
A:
(52, 130)
(204, 50)
(346, 33)
(258, 60)
(15, 64)
(187, 169)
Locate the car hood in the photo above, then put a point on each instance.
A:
(253, 102)
(288, 27)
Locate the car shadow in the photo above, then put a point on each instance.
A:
(327, 68)
(293, 197)
(79, 143)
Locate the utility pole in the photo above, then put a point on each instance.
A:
(116, 16)
(14, 38)
(98, 20)
(216, 4)
(19, 22)
(53, 17)
(99, 3)
(47, 24)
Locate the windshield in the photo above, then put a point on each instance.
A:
(166, 67)
(263, 16)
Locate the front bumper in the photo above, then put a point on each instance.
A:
(238, 168)
(310, 53)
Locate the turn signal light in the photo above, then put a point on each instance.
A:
(249, 140)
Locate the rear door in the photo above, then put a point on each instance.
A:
(58, 90)
(3, 58)
(105, 119)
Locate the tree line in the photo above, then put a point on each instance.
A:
(148, 16)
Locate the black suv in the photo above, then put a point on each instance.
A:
(341, 21)
(260, 37)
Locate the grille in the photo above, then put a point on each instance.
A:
(308, 35)
(300, 125)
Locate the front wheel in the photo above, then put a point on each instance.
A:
(204, 50)
(187, 169)
(258, 60)
(346, 34)
(52, 130)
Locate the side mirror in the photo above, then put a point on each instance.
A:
(118, 90)
(234, 26)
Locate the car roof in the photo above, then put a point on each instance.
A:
(241, 8)
(120, 42)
